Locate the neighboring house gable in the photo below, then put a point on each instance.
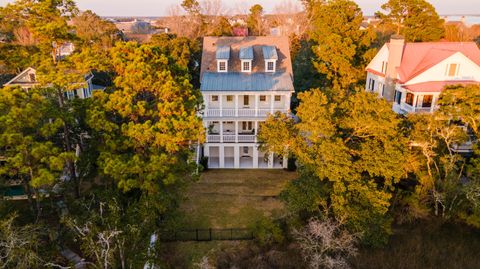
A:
(456, 67)
(26, 79)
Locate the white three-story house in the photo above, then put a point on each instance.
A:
(412, 75)
(243, 80)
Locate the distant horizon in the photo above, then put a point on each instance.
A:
(159, 8)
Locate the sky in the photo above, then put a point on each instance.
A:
(161, 7)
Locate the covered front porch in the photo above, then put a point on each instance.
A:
(415, 102)
(241, 157)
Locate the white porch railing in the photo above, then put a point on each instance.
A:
(242, 112)
(213, 138)
(229, 138)
(246, 138)
(246, 112)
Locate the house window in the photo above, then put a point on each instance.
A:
(247, 125)
(427, 101)
(398, 96)
(229, 98)
(383, 90)
(245, 150)
(246, 100)
(263, 98)
(409, 99)
(222, 66)
(246, 66)
(214, 98)
(384, 67)
(453, 70)
(270, 66)
(278, 98)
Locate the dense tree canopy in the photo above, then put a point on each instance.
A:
(416, 20)
(342, 50)
(255, 21)
(356, 146)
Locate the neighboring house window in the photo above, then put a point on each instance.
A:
(398, 96)
(427, 101)
(409, 99)
(453, 70)
(278, 98)
(383, 90)
(270, 66)
(263, 98)
(214, 98)
(372, 85)
(32, 77)
(246, 100)
(246, 66)
(384, 67)
(222, 66)
(229, 98)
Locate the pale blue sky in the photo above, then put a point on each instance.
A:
(160, 7)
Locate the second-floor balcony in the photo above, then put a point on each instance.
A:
(241, 112)
(232, 131)
(245, 105)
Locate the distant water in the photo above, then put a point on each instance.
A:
(469, 20)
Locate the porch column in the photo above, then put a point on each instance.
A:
(221, 154)
(285, 162)
(434, 102)
(256, 130)
(221, 131)
(236, 131)
(236, 157)
(236, 105)
(415, 98)
(288, 100)
(206, 99)
(206, 153)
(270, 160)
(256, 104)
(255, 156)
(272, 103)
(220, 98)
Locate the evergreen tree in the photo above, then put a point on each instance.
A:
(354, 146)
(342, 50)
(255, 22)
(416, 20)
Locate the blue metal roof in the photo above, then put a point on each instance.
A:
(270, 52)
(223, 52)
(246, 82)
(246, 53)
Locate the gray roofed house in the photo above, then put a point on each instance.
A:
(239, 92)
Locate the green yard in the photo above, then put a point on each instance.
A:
(226, 199)
(234, 198)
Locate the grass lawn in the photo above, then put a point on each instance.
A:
(226, 199)
(234, 198)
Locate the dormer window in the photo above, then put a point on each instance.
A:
(270, 55)
(270, 66)
(246, 58)
(222, 66)
(246, 66)
(222, 55)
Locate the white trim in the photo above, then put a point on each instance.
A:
(274, 66)
(249, 70)
(222, 62)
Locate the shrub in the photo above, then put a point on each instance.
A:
(267, 232)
